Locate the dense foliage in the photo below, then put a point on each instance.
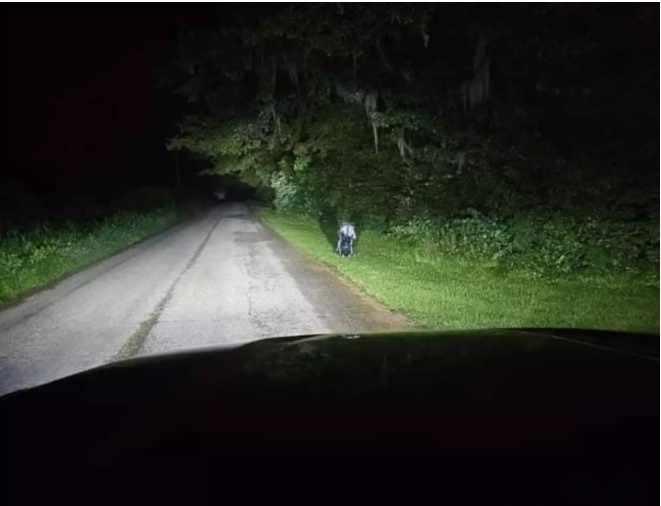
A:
(527, 134)
(34, 253)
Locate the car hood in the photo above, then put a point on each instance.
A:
(546, 406)
(538, 366)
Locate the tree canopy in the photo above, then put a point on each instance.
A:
(388, 111)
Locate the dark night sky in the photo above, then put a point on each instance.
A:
(81, 107)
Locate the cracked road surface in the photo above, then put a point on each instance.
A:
(222, 278)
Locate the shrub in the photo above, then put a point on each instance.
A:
(288, 197)
(542, 244)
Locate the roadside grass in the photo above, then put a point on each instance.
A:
(35, 259)
(442, 292)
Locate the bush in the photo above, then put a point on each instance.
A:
(542, 244)
(288, 198)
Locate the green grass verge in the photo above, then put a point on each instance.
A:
(441, 292)
(33, 260)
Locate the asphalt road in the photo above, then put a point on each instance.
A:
(222, 278)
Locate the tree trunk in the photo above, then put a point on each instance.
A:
(375, 132)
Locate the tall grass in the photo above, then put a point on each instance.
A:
(32, 259)
(438, 290)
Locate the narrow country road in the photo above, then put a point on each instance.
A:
(221, 278)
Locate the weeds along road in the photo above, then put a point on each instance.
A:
(222, 278)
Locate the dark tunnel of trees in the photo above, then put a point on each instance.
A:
(525, 133)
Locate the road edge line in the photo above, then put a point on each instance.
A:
(136, 340)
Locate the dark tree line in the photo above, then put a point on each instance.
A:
(401, 114)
